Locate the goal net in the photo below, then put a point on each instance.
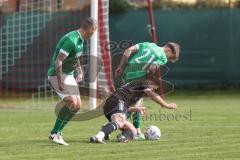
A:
(28, 37)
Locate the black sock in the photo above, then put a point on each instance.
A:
(109, 128)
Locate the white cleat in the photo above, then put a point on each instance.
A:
(94, 139)
(57, 138)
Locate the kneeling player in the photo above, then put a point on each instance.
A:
(118, 104)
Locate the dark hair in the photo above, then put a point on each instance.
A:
(174, 47)
(88, 23)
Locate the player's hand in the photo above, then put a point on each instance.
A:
(79, 77)
(171, 106)
(61, 86)
(142, 110)
(118, 72)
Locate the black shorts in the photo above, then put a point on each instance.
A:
(114, 105)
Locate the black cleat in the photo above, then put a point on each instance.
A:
(122, 139)
(107, 137)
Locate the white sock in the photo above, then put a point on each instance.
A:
(100, 135)
(135, 135)
(138, 131)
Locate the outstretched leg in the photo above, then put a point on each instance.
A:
(118, 121)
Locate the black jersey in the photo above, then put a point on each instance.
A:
(129, 94)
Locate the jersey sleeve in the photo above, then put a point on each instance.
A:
(162, 59)
(143, 44)
(138, 45)
(67, 47)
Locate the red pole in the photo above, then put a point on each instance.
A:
(152, 22)
(154, 37)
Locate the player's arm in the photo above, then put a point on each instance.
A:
(79, 71)
(59, 63)
(157, 98)
(127, 53)
(65, 50)
(142, 110)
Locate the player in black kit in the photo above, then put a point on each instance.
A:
(119, 104)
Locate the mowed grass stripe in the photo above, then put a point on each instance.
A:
(133, 153)
(213, 132)
(155, 146)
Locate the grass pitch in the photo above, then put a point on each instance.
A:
(206, 125)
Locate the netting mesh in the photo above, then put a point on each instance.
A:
(28, 38)
(18, 33)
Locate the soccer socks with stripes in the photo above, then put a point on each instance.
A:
(107, 129)
(64, 116)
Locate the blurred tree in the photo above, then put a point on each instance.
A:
(119, 6)
(237, 4)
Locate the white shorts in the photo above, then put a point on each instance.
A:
(70, 86)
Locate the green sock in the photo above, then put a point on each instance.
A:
(64, 116)
(137, 120)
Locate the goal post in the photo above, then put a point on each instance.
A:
(93, 60)
(100, 73)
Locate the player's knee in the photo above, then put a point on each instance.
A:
(78, 105)
(73, 102)
(119, 119)
(120, 124)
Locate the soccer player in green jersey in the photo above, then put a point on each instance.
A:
(136, 61)
(65, 61)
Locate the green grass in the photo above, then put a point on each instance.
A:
(212, 133)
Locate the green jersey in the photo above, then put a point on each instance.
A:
(147, 53)
(72, 46)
